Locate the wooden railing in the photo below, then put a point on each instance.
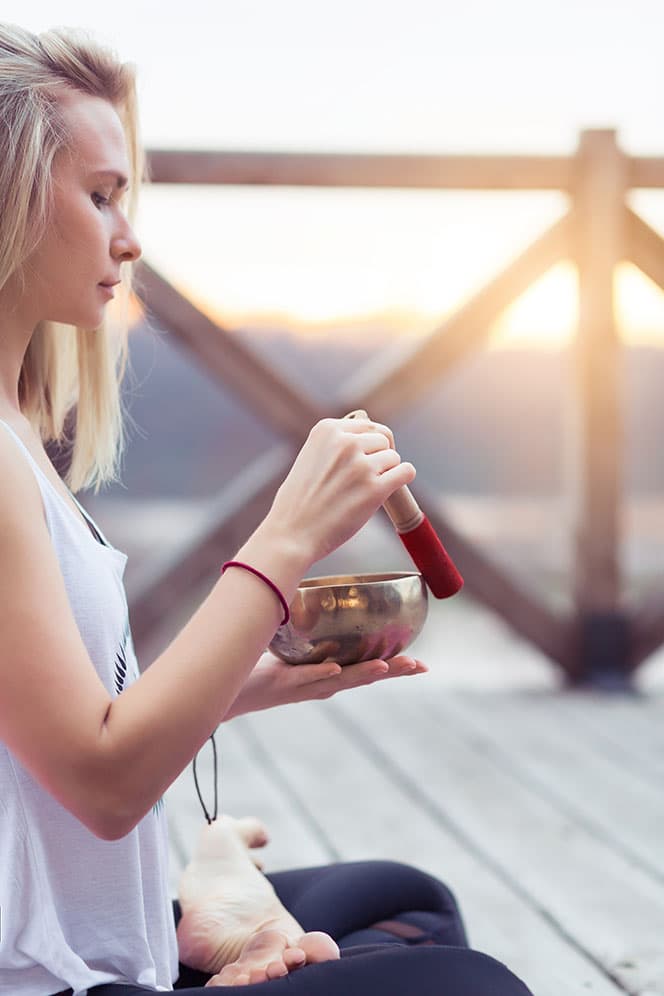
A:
(600, 641)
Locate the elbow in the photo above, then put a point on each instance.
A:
(97, 806)
(109, 828)
(115, 798)
(102, 788)
(114, 824)
(108, 823)
(110, 811)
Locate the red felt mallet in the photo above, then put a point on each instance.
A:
(422, 542)
(420, 539)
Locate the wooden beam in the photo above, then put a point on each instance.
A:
(222, 354)
(384, 385)
(595, 444)
(647, 628)
(645, 171)
(453, 172)
(644, 247)
(490, 584)
(164, 581)
(305, 169)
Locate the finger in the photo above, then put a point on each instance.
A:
(396, 477)
(403, 665)
(383, 461)
(360, 425)
(352, 676)
(363, 673)
(372, 442)
(397, 666)
(307, 674)
(367, 672)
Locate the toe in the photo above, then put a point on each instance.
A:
(229, 976)
(257, 975)
(276, 969)
(318, 946)
(252, 831)
(294, 957)
(226, 977)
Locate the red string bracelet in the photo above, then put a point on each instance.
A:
(270, 584)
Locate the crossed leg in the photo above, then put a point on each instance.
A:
(233, 925)
(354, 902)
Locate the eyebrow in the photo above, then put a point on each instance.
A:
(121, 180)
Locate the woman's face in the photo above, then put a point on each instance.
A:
(90, 236)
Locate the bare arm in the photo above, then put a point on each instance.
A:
(156, 726)
(108, 760)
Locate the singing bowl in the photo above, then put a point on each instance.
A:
(352, 618)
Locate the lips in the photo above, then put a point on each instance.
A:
(113, 283)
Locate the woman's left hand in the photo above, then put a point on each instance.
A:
(273, 682)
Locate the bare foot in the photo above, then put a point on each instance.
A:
(269, 954)
(228, 904)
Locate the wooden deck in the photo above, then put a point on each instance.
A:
(542, 809)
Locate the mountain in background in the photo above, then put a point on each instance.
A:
(495, 425)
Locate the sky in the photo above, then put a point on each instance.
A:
(521, 76)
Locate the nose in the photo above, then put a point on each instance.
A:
(125, 247)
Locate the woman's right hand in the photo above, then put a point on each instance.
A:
(345, 471)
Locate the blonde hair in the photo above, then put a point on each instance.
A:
(66, 371)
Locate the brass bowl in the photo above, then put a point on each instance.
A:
(352, 618)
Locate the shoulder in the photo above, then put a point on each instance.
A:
(20, 496)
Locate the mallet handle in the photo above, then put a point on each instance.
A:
(401, 507)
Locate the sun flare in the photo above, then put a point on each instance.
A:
(317, 263)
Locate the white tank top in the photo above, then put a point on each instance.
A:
(76, 911)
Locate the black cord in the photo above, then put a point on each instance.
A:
(214, 751)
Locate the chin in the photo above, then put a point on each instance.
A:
(89, 322)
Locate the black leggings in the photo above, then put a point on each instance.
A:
(399, 930)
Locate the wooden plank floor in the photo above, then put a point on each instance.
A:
(542, 809)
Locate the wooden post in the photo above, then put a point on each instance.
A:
(596, 412)
(598, 642)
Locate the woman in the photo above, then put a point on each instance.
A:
(87, 747)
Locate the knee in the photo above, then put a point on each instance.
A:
(491, 977)
(434, 894)
(439, 970)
